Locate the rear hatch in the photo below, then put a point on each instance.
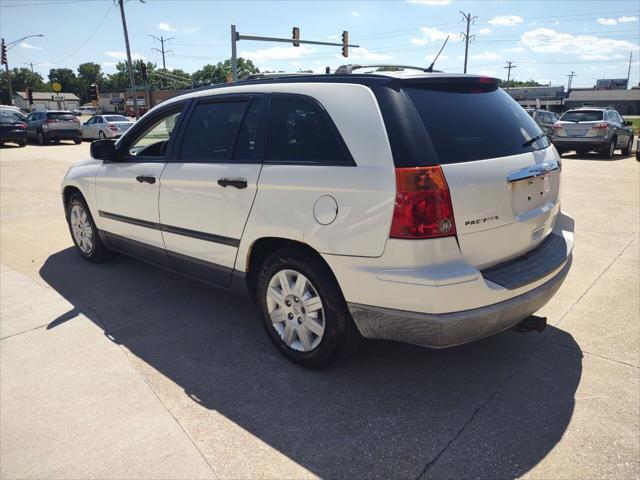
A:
(581, 123)
(503, 176)
(62, 121)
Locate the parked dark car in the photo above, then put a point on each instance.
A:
(54, 125)
(593, 128)
(544, 119)
(13, 128)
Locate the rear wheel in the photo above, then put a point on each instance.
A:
(22, 143)
(303, 310)
(609, 150)
(41, 138)
(84, 232)
(627, 150)
(77, 141)
(101, 135)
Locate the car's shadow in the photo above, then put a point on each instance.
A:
(490, 409)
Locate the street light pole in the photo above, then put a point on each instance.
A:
(8, 47)
(129, 63)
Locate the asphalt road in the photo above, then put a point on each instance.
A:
(122, 370)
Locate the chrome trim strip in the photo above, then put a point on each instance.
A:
(532, 171)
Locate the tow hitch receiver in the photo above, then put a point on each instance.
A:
(532, 323)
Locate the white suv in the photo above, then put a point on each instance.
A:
(421, 208)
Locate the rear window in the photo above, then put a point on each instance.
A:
(582, 116)
(474, 122)
(11, 117)
(60, 116)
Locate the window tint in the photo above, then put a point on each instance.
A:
(300, 133)
(250, 144)
(211, 131)
(582, 116)
(116, 118)
(154, 140)
(467, 123)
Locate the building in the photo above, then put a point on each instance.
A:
(545, 97)
(612, 84)
(47, 101)
(122, 102)
(626, 102)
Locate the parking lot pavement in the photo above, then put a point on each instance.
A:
(123, 370)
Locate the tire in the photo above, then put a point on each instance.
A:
(333, 336)
(22, 143)
(627, 150)
(609, 150)
(42, 139)
(77, 141)
(101, 135)
(84, 232)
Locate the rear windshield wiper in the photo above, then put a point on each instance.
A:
(533, 140)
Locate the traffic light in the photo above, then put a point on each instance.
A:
(3, 56)
(143, 71)
(30, 96)
(296, 36)
(345, 44)
(93, 91)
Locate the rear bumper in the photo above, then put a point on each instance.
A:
(573, 143)
(451, 329)
(63, 134)
(16, 135)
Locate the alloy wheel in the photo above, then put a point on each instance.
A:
(295, 310)
(81, 229)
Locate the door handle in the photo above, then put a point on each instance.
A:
(146, 179)
(233, 182)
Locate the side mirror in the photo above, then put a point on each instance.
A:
(104, 150)
(628, 123)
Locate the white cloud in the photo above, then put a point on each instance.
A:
(192, 29)
(109, 64)
(277, 53)
(333, 37)
(546, 40)
(123, 55)
(355, 14)
(485, 56)
(484, 31)
(29, 46)
(506, 20)
(488, 73)
(431, 2)
(432, 34)
(362, 53)
(430, 56)
(596, 56)
(626, 19)
(514, 49)
(164, 26)
(607, 21)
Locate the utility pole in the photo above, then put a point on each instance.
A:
(509, 66)
(129, 64)
(571, 75)
(467, 38)
(162, 50)
(629, 70)
(30, 64)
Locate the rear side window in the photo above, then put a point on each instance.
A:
(60, 116)
(582, 116)
(250, 143)
(301, 132)
(211, 132)
(467, 123)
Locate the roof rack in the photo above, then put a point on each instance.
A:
(262, 76)
(348, 69)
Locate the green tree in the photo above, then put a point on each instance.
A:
(89, 73)
(66, 78)
(519, 83)
(212, 74)
(21, 78)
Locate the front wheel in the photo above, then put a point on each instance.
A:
(84, 232)
(303, 310)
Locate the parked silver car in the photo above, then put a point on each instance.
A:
(53, 125)
(544, 119)
(588, 129)
(105, 126)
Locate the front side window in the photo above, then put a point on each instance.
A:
(154, 140)
(299, 132)
(211, 132)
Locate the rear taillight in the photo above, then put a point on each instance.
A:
(113, 128)
(600, 126)
(423, 204)
(76, 120)
(21, 125)
(557, 126)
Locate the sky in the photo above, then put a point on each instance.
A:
(545, 39)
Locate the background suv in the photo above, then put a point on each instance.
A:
(544, 119)
(53, 125)
(421, 208)
(587, 129)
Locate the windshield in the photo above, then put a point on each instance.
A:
(475, 122)
(11, 117)
(582, 116)
(116, 118)
(60, 115)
